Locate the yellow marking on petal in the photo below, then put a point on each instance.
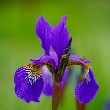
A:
(74, 62)
(35, 69)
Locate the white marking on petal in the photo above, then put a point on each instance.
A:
(87, 77)
(31, 76)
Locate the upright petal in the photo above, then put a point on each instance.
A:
(43, 29)
(60, 37)
(28, 86)
(48, 81)
(87, 89)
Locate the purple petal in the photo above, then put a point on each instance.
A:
(86, 61)
(41, 60)
(48, 81)
(77, 58)
(43, 29)
(87, 89)
(54, 58)
(106, 105)
(28, 87)
(60, 37)
(45, 58)
(65, 77)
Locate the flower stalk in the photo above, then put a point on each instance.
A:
(56, 95)
(80, 106)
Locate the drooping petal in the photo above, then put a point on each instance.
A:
(48, 81)
(65, 77)
(28, 86)
(77, 58)
(43, 29)
(60, 37)
(44, 58)
(87, 89)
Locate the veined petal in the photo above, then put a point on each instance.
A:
(65, 76)
(77, 58)
(48, 81)
(87, 89)
(43, 29)
(60, 37)
(28, 86)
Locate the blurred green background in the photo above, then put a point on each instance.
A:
(89, 25)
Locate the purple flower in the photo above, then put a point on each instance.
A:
(106, 105)
(38, 77)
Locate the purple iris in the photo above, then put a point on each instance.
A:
(106, 105)
(38, 77)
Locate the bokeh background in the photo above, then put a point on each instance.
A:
(89, 25)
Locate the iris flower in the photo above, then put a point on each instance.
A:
(39, 76)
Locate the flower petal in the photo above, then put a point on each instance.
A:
(48, 81)
(65, 77)
(28, 87)
(77, 58)
(44, 58)
(87, 89)
(60, 37)
(43, 29)
(54, 58)
(106, 105)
